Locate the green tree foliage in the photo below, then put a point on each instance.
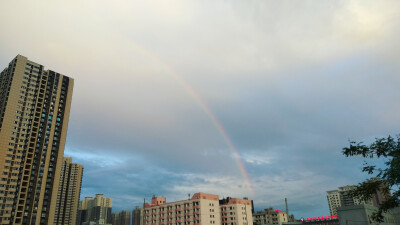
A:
(385, 179)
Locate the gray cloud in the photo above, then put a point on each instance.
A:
(290, 81)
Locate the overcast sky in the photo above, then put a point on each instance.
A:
(157, 83)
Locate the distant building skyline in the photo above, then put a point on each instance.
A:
(137, 216)
(121, 218)
(95, 210)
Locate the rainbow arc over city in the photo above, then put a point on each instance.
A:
(204, 107)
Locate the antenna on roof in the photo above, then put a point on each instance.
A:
(287, 208)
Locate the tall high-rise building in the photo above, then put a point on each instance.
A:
(341, 197)
(69, 191)
(137, 216)
(334, 201)
(95, 210)
(121, 218)
(34, 112)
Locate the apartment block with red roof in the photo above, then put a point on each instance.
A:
(200, 209)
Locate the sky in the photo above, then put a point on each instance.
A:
(236, 98)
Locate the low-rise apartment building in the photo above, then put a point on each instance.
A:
(236, 211)
(270, 216)
(201, 208)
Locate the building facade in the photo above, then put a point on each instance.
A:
(137, 216)
(201, 208)
(270, 216)
(334, 201)
(69, 191)
(362, 214)
(236, 211)
(341, 197)
(322, 222)
(34, 112)
(121, 218)
(95, 210)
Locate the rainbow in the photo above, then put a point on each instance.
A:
(205, 108)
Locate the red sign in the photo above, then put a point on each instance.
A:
(321, 218)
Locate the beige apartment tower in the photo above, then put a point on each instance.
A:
(69, 191)
(34, 111)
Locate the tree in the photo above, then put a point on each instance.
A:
(385, 179)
